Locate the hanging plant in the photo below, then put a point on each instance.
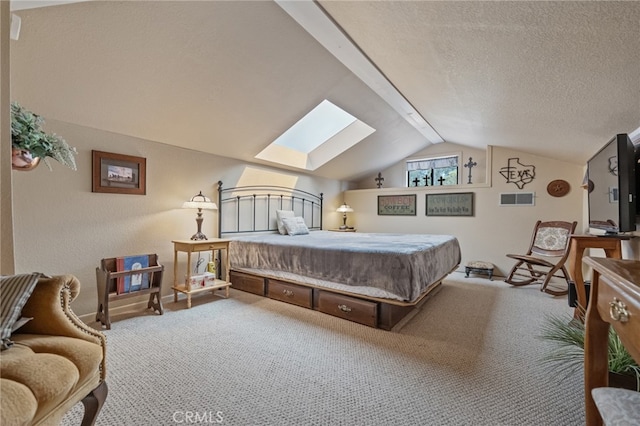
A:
(30, 140)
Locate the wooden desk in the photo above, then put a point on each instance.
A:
(615, 301)
(612, 247)
(190, 246)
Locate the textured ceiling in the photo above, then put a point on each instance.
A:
(556, 79)
(552, 78)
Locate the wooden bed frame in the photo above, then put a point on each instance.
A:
(372, 311)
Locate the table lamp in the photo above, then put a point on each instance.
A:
(199, 202)
(344, 209)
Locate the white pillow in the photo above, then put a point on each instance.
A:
(295, 225)
(281, 214)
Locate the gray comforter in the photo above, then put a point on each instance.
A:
(404, 265)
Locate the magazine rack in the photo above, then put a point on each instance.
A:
(107, 276)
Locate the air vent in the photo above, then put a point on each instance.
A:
(517, 198)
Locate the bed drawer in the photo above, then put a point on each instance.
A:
(339, 305)
(248, 283)
(290, 293)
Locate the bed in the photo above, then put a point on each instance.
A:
(376, 279)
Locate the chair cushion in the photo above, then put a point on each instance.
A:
(548, 238)
(617, 406)
(46, 370)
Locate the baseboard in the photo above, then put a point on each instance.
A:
(90, 318)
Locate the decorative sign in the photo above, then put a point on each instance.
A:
(558, 188)
(397, 205)
(518, 173)
(455, 204)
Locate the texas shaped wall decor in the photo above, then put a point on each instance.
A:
(518, 173)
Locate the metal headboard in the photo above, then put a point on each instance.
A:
(245, 209)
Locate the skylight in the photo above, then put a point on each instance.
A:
(318, 137)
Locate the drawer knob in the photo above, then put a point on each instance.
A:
(287, 293)
(618, 311)
(344, 308)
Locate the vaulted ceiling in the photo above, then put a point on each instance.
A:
(556, 79)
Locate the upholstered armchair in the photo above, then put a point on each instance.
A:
(53, 361)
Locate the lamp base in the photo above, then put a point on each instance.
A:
(343, 227)
(198, 236)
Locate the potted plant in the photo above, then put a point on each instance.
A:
(30, 142)
(567, 357)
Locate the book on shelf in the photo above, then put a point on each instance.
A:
(132, 282)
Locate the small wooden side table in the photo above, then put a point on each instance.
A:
(612, 246)
(189, 247)
(342, 230)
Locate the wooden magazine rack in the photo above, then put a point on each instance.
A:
(107, 276)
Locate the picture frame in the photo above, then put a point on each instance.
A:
(397, 205)
(450, 204)
(118, 173)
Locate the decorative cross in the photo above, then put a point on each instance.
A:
(379, 180)
(441, 179)
(470, 165)
(428, 177)
(416, 181)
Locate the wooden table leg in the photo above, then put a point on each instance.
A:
(576, 251)
(596, 364)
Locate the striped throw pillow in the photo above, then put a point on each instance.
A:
(15, 290)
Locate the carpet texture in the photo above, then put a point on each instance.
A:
(470, 356)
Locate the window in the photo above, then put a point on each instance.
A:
(434, 171)
(318, 137)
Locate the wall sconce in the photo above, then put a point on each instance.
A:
(344, 209)
(199, 202)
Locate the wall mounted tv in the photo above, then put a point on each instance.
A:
(612, 186)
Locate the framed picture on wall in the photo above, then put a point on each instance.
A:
(397, 205)
(454, 204)
(118, 173)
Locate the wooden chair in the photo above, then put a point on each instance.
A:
(550, 239)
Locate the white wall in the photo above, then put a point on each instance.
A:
(62, 227)
(493, 231)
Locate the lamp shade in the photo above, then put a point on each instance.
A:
(345, 208)
(200, 202)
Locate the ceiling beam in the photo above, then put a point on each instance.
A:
(316, 22)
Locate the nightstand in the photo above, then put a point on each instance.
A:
(189, 247)
(342, 230)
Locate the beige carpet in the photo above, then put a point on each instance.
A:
(471, 356)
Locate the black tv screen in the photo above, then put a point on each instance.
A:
(612, 186)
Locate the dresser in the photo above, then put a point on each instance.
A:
(615, 302)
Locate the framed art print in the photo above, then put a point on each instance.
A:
(118, 173)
